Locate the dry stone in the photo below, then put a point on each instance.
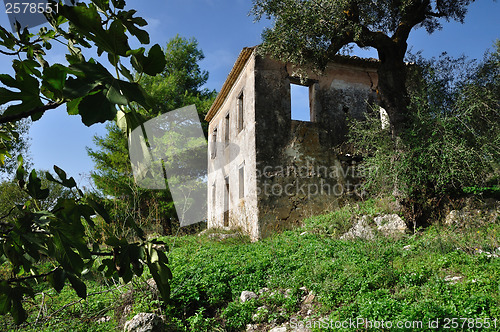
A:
(390, 225)
(246, 295)
(144, 322)
(278, 329)
(387, 225)
(360, 230)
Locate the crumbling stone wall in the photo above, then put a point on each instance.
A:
(300, 171)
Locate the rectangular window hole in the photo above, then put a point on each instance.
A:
(301, 108)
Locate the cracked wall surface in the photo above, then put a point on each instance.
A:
(293, 169)
(300, 170)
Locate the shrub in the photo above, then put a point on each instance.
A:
(454, 137)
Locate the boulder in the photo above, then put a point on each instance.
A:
(246, 295)
(390, 225)
(144, 322)
(387, 225)
(361, 230)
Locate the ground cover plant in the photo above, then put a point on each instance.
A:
(442, 272)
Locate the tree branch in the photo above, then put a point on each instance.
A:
(19, 116)
(101, 253)
(435, 14)
(413, 16)
(12, 280)
(375, 39)
(8, 214)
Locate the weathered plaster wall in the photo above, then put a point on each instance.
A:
(242, 212)
(298, 172)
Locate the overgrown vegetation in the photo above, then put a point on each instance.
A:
(453, 143)
(408, 279)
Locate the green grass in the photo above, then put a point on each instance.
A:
(376, 280)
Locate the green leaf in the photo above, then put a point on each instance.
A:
(57, 278)
(54, 78)
(102, 4)
(87, 212)
(119, 4)
(72, 106)
(155, 61)
(17, 311)
(115, 96)
(4, 304)
(134, 92)
(5, 300)
(165, 273)
(96, 108)
(162, 279)
(89, 76)
(60, 172)
(88, 23)
(69, 183)
(28, 95)
(130, 222)
(127, 274)
(78, 285)
(99, 209)
(34, 187)
(130, 22)
(125, 72)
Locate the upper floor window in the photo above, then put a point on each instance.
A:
(240, 112)
(300, 102)
(241, 180)
(213, 150)
(226, 131)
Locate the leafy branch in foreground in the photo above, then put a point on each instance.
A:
(58, 234)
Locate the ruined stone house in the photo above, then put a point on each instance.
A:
(268, 171)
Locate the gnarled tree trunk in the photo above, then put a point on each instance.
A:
(392, 92)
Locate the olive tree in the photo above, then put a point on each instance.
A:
(313, 31)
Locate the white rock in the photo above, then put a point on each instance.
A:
(390, 224)
(452, 279)
(144, 322)
(263, 290)
(103, 320)
(246, 295)
(252, 327)
(278, 329)
(360, 230)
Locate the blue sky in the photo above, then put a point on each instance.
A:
(223, 28)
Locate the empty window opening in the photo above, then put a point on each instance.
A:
(240, 112)
(213, 197)
(241, 180)
(226, 134)
(213, 151)
(301, 109)
(226, 202)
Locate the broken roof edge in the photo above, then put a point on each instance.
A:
(230, 80)
(242, 59)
